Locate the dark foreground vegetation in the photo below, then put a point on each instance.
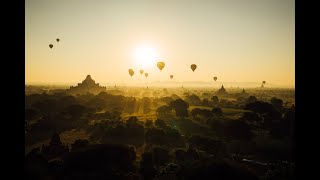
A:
(160, 134)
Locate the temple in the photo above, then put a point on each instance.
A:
(222, 91)
(87, 86)
(243, 93)
(55, 147)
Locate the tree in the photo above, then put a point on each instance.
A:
(181, 107)
(131, 105)
(160, 155)
(215, 100)
(99, 158)
(166, 100)
(174, 138)
(149, 123)
(277, 103)
(260, 107)
(116, 115)
(251, 99)
(205, 113)
(252, 118)
(67, 100)
(289, 118)
(146, 104)
(210, 145)
(224, 102)
(192, 153)
(181, 155)
(160, 123)
(205, 102)
(193, 99)
(238, 130)
(206, 95)
(272, 120)
(241, 99)
(217, 111)
(132, 121)
(48, 107)
(155, 136)
(36, 165)
(97, 103)
(194, 112)
(146, 166)
(79, 143)
(31, 114)
(164, 110)
(186, 94)
(201, 112)
(175, 97)
(76, 111)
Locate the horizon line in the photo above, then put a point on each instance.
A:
(169, 83)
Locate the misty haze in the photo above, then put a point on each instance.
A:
(159, 89)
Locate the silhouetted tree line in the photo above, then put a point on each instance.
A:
(115, 161)
(180, 144)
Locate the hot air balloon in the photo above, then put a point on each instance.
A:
(50, 45)
(161, 65)
(215, 78)
(193, 67)
(141, 71)
(171, 76)
(58, 39)
(131, 72)
(146, 74)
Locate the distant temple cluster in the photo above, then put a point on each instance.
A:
(222, 91)
(87, 86)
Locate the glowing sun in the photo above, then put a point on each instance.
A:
(146, 56)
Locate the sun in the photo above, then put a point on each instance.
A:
(146, 56)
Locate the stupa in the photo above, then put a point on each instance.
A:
(222, 91)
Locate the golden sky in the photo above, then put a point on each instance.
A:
(235, 40)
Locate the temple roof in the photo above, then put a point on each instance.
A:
(88, 80)
(222, 90)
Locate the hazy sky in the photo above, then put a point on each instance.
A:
(236, 40)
